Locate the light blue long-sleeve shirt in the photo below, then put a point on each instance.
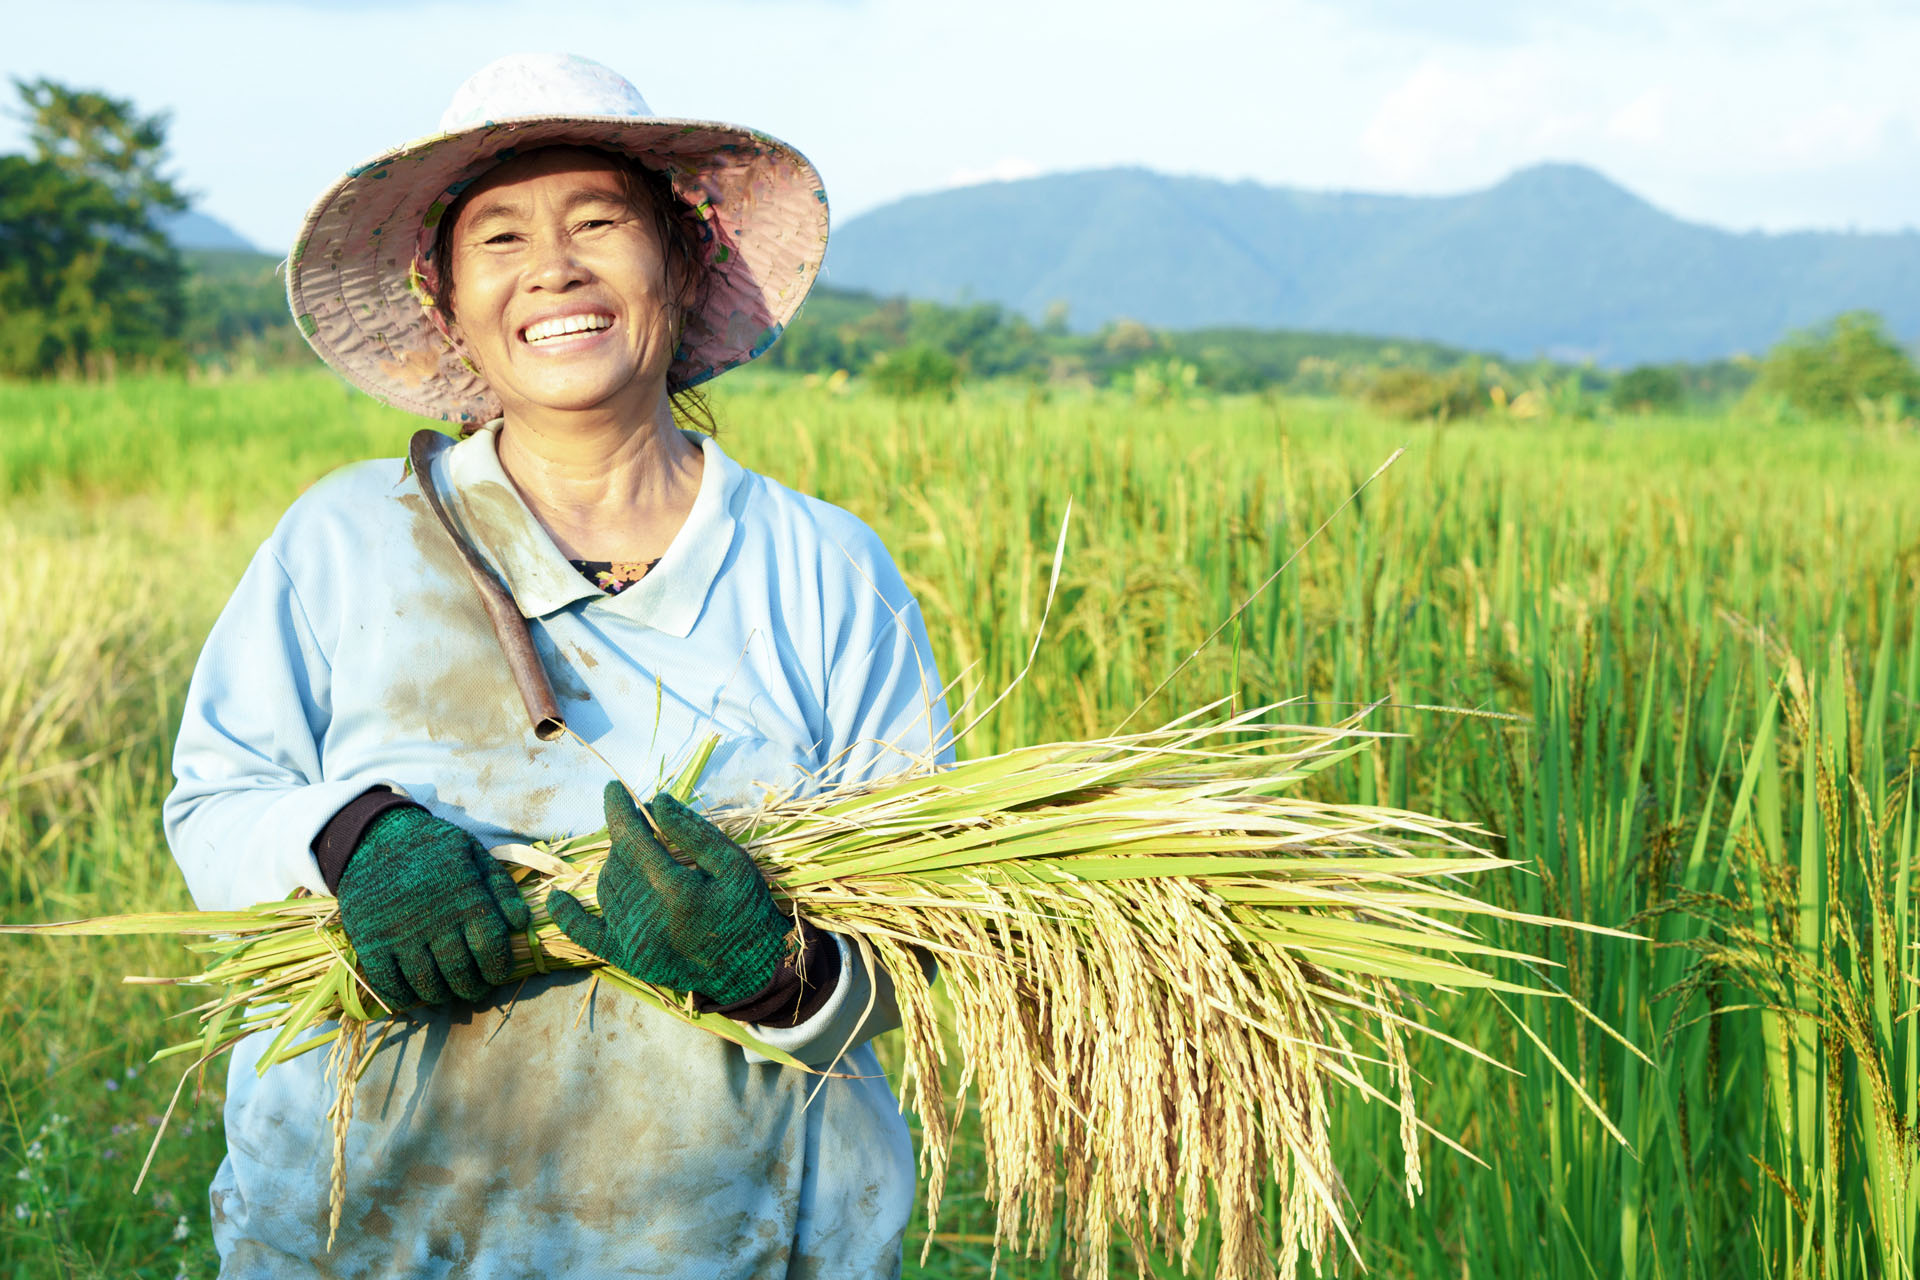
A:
(549, 1131)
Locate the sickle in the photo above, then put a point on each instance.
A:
(509, 626)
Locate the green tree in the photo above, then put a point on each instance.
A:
(1834, 370)
(89, 135)
(918, 370)
(86, 273)
(1649, 388)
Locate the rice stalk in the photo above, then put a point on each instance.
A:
(1162, 965)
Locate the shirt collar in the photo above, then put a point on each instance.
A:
(484, 503)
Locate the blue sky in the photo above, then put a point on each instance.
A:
(1769, 114)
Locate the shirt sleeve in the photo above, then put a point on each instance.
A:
(887, 710)
(861, 1006)
(249, 793)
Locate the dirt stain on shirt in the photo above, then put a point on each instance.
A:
(460, 688)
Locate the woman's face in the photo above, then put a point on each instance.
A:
(560, 288)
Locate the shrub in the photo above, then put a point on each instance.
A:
(1163, 381)
(1648, 388)
(1834, 370)
(1418, 393)
(918, 370)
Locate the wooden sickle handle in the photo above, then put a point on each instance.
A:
(509, 626)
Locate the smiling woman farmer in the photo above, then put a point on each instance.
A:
(555, 271)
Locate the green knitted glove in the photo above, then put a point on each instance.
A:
(712, 928)
(430, 915)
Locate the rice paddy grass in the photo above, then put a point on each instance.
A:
(1692, 644)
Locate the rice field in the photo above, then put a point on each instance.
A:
(1694, 644)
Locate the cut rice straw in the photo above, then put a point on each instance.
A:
(1160, 963)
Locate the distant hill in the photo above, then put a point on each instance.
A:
(237, 307)
(1557, 260)
(194, 230)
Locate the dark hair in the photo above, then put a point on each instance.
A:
(649, 193)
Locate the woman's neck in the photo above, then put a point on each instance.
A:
(604, 490)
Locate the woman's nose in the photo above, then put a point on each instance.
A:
(556, 264)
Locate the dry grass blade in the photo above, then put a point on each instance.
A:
(1160, 964)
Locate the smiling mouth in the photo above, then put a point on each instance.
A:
(564, 327)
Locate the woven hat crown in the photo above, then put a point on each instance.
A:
(541, 84)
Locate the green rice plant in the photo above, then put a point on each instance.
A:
(1161, 965)
(1817, 927)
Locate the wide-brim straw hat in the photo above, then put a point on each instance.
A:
(360, 277)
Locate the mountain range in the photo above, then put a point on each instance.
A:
(192, 229)
(1556, 260)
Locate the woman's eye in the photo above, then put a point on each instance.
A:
(501, 237)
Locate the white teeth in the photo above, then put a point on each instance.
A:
(560, 326)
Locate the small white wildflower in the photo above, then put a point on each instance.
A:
(23, 1175)
(21, 1213)
(36, 1150)
(180, 1229)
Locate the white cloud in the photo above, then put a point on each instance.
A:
(1008, 169)
(1837, 132)
(1802, 115)
(1778, 125)
(1643, 120)
(1455, 117)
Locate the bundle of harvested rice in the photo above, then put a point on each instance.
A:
(1159, 961)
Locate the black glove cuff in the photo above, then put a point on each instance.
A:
(337, 840)
(799, 989)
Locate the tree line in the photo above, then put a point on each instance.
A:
(1848, 367)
